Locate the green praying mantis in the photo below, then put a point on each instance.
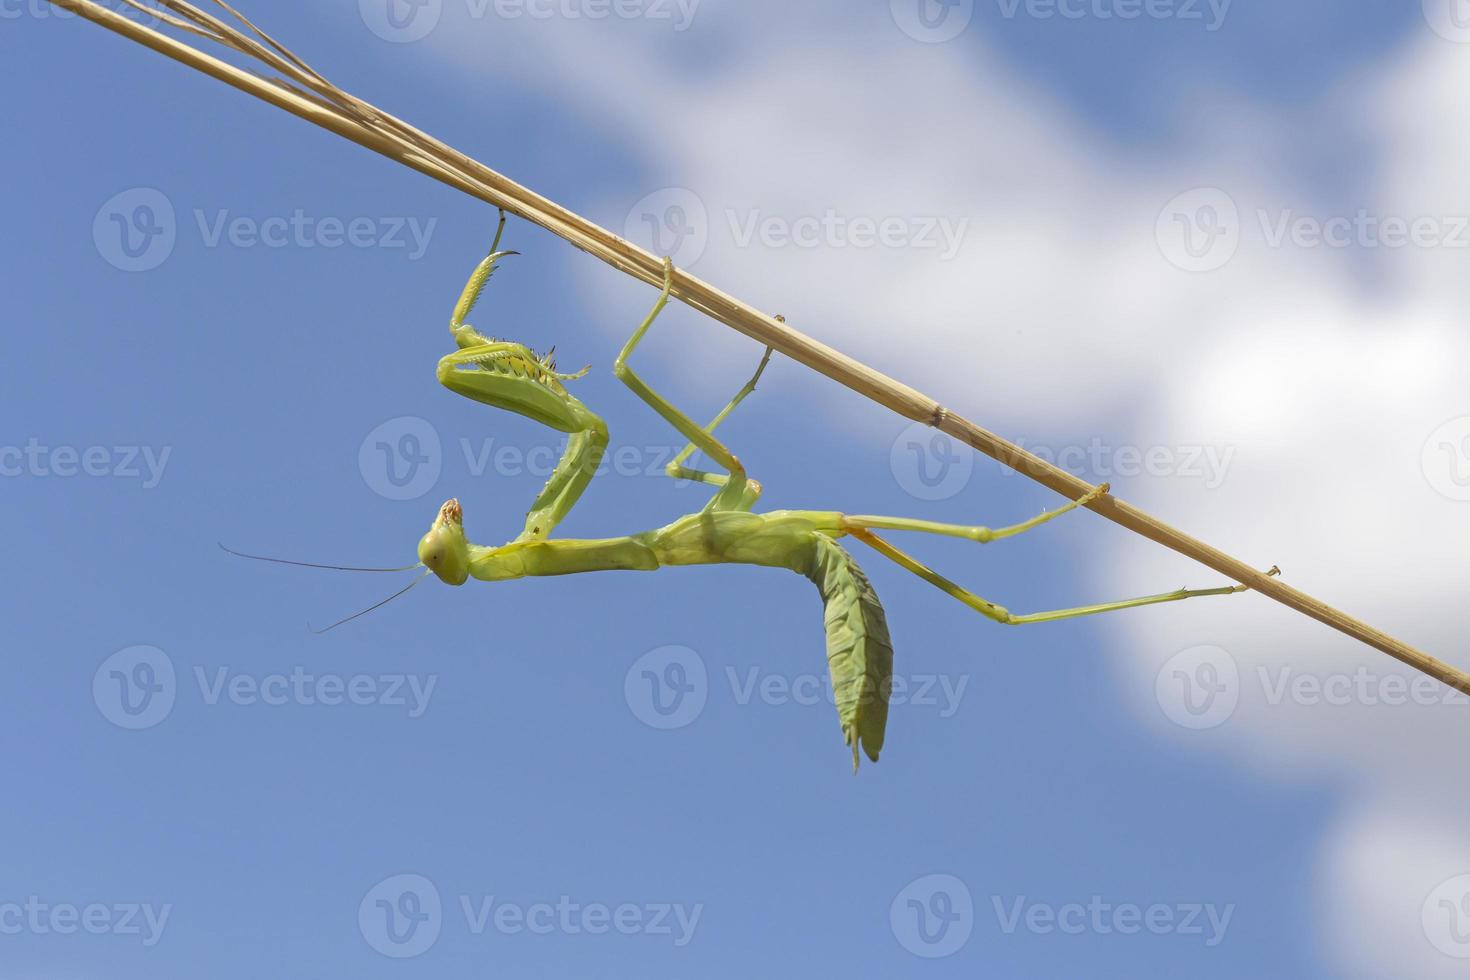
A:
(727, 530)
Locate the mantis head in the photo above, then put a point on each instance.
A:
(444, 550)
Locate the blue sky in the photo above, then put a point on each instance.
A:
(281, 326)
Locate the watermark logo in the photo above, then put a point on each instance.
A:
(755, 684)
(833, 230)
(1100, 917)
(401, 21)
(928, 464)
(1446, 459)
(1199, 688)
(1210, 13)
(404, 916)
(1450, 19)
(1100, 461)
(674, 920)
(401, 916)
(1363, 229)
(44, 9)
(679, 13)
(1199, 230)
(409, 692)
(667, 687)
(507, 459)
(402, 458)
(136, 229)
(1202, 687)
(306, 231)
(135, 688)
(35, 917)
(933, 916)
(932, 21)
(138, 688)
(142, 463)
(673, 222)
(1446, 917)
(1363, 687)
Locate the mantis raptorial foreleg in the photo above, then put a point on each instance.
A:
(513, 377)
(463, 332)
(733, 493)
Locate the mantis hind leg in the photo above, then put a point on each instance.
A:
(733, 493)
(970, 532)
(999, 613)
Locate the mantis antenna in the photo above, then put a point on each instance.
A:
(376, 605)
(337, 568)
(307, 564)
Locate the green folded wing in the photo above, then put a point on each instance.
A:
(859, 652)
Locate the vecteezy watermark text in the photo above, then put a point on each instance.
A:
(669, 686)
(919, 690)
(570, 918)
(137, 229)
(1210, 13)
(144, 463)
(407, 691)
(301, 230)
(404, 915)
(403, 459)
(1099, 917)
(137, 688)
(38, 918)
(833, 230)
(675, 221)
(44, 9)
(679, 13)
(1202, 229)
(1202, 687)
(1101, 461)
(406, 21)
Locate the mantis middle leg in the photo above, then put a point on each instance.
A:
(679, 471)
(732, 495)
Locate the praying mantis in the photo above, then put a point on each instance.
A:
(727, 530)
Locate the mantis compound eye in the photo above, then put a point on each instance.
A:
(444, 550)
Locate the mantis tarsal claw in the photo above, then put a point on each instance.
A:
(511, 376)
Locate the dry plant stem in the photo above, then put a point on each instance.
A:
(307, 95)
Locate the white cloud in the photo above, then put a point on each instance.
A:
(1325, 370)
(1396, 889)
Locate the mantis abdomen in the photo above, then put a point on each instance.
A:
(859, 651)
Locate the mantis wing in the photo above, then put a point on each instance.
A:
(859, 652)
